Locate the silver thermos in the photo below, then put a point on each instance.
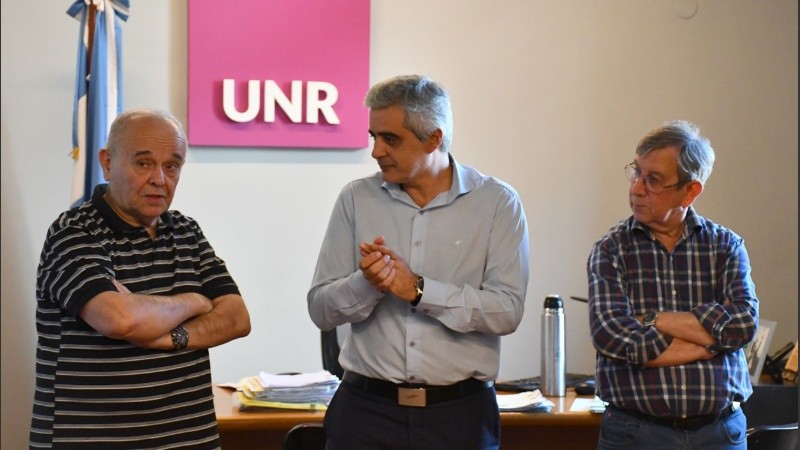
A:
(554, 372)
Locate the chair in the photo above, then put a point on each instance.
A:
(332, 341)
(771, 404)
(773, 437)
(305, 436)
(772, 417)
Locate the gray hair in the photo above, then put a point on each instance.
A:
(425, 102)
(695, 154)
(121, 123)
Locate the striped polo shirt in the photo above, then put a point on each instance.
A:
(94, 392)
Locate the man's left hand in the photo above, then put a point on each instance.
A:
(386, 270)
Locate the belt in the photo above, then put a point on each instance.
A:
(417, 395)
(691, 423)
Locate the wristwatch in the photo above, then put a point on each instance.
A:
(419, 285)
(649, 319)
(180, 337)
(713, 348)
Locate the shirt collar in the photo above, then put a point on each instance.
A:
(462, 183)
(691, 223)
(115, 222)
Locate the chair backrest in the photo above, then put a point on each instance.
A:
(773, 437)
(305, 436)
(772, 417)
(771, 404)
(332, 341)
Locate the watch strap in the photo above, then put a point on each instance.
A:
(419, 285)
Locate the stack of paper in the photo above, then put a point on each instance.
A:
(527, 401)
(594, 405)
(301, 391)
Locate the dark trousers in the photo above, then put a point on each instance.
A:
(356, 420)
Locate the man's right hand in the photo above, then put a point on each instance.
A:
(386, 270)
(680, 352)
(378, 269)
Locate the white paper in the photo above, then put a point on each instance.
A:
(269, 380)
(524, 401)
(595, 405)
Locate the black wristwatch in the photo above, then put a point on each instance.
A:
(419, 285)
(180, 337)
(649, 319)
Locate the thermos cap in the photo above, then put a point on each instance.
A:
(553, 301)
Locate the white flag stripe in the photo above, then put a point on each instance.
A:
(97, 89)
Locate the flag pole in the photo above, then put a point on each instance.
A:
(92, 12)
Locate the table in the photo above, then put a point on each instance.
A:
(561, 429)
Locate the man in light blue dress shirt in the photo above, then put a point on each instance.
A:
(428, 261)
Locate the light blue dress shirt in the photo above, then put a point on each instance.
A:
(469, 243)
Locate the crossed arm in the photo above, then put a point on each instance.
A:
(146, 320)
(689, 340)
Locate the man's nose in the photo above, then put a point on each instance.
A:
(638, 187)
(378, 149)
(157, 176)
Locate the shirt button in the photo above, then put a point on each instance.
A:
(412, 343)
(417, 243)
(412, 378)
(413, 310)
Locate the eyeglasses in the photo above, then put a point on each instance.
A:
(632, 173)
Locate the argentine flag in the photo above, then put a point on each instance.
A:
(98, 88)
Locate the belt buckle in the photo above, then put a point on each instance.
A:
(415, 397)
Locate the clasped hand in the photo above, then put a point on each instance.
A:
(386, 270)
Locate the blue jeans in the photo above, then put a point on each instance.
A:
(619, 430)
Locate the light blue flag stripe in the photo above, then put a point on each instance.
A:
(93, 113)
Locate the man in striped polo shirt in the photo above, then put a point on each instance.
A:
(130, 296)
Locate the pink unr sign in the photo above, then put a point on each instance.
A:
(278, 73)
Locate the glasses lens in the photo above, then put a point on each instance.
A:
(631, 173)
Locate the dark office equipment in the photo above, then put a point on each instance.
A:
(771, 404)
(332, 341)
(585, 387)
(532, 383)
(775, 363)
(330, 352)
(773, 437)
(772, 417)
(305, 436)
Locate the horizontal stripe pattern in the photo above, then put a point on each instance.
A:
(94, 392)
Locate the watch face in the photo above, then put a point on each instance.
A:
(649, 319)
(180, 337)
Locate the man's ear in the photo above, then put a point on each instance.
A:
(693, 190)
(104, 157)
(435, 140)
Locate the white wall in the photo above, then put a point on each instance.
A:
(550, 95)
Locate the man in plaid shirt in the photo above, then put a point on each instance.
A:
(671, 303)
